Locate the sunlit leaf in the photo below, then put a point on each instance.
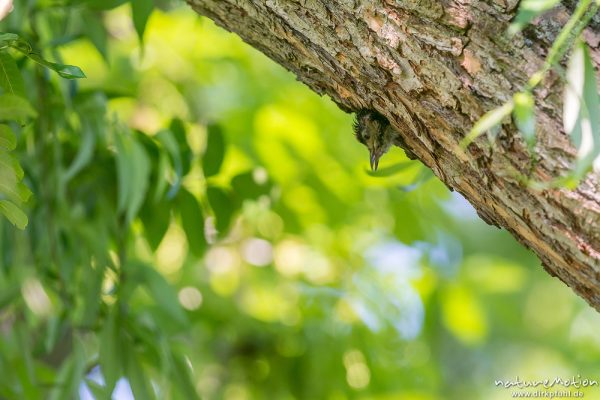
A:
(215, 151)
(487, 121)
(14, 214)
(9, 163)
(6, 38)
(192, 221)
(14, 107)
(11, 80)
(11, 187)
(8, 141)
(581, 117)
(524, 116)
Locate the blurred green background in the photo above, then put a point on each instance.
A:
(285, 269)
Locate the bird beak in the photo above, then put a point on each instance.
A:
(374, 161)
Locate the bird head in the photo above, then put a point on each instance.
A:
(372, 130)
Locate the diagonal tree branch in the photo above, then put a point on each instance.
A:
(433, 68)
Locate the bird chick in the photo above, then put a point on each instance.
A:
(374, 131)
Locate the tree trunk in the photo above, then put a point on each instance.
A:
(433, 68)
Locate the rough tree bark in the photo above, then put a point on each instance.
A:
(433, 68)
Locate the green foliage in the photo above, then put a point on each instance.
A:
(141, 10)
(580, 110)
(10, 77)
(195, 229)
(524, 116)
(528, 10)
(214, 153)
(580, 100)
(487, 122)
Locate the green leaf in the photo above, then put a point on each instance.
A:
(156, 219)
(183, 379)
(8, 141)
(85, 153)
(10, 76)
(581, 118)
(92, 295)
(10, 164)
(141, 176)
(524, 116)
(140, 384)
(12, 190)
(103, 4)
(25, 360)
(215, 151)
(486, 122)
(98, 391)
(110, 349)
(133, 173)
(528, 10)
(70, 374)
(7, 38)
(178, 129)
(64, 70)
(14, 214)
(162, 170)
(223, 207)
(15, 108)
(95, 31)
(9, 295)
(192, 221)
(141, 10)
(169, 142)
(163, 293)
(53, 328)
(124, 173)
(251, 184)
